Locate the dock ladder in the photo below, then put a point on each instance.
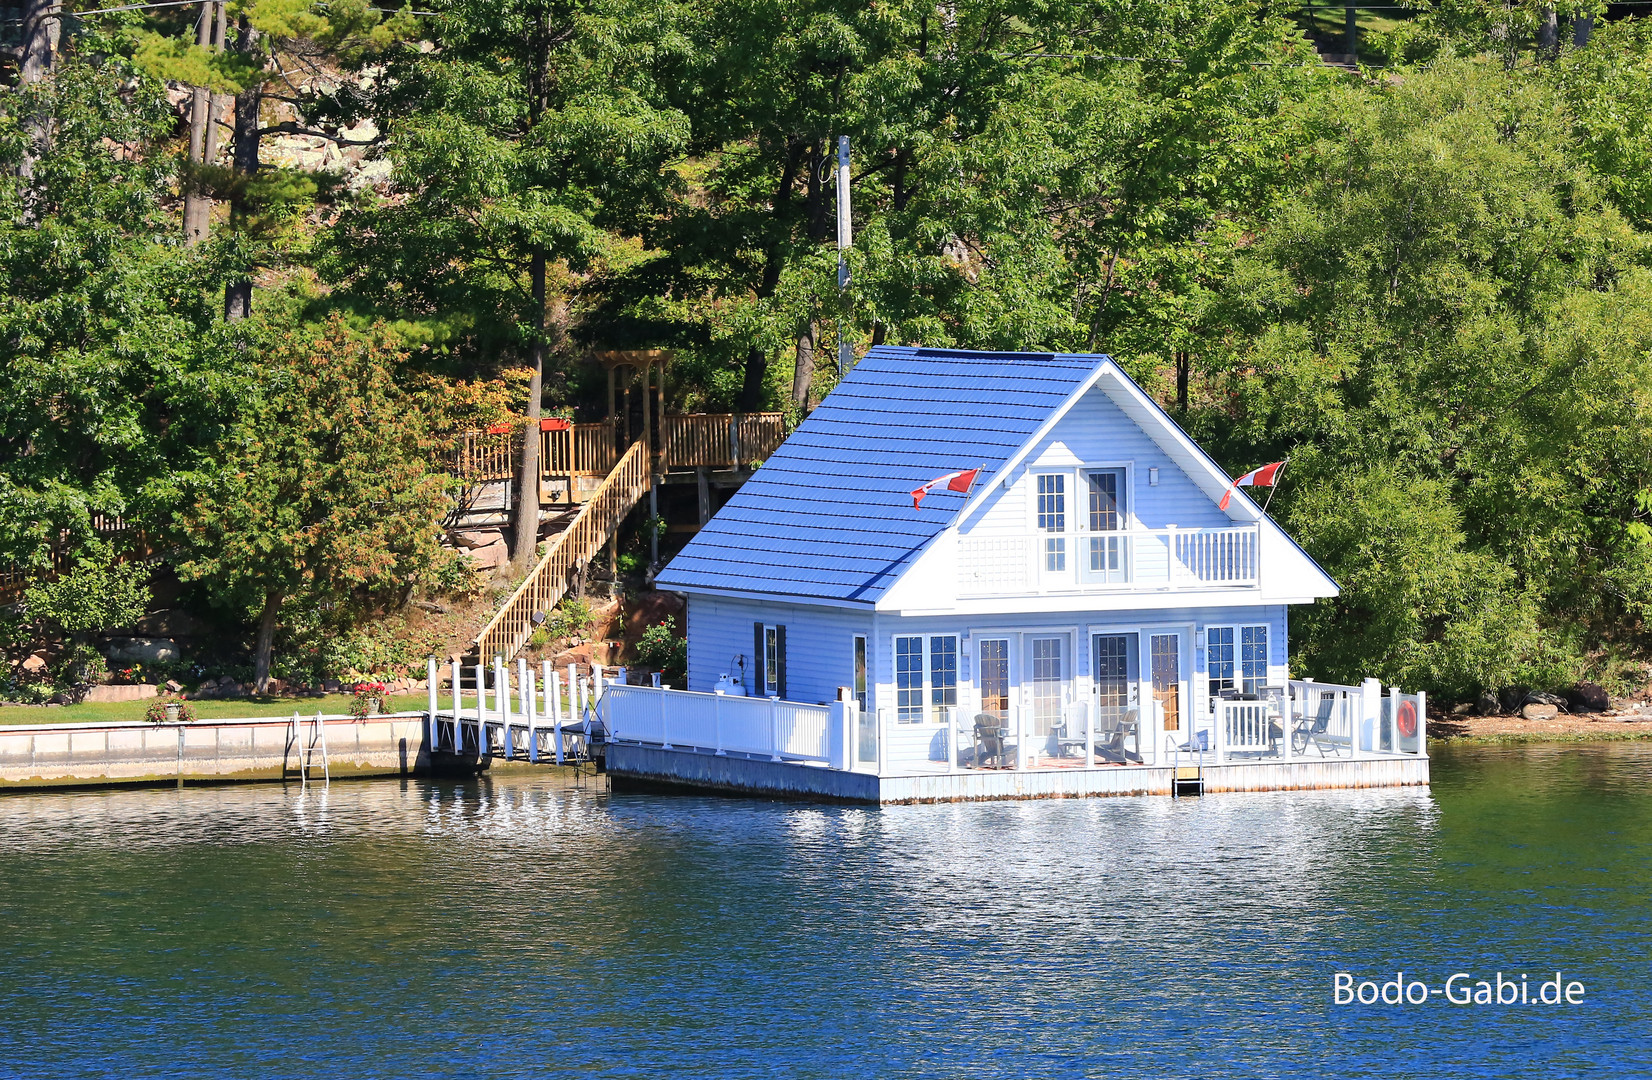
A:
(307, 751)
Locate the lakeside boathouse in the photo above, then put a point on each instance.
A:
(1087, 618)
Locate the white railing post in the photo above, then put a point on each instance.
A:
(717, 723)
(1218, 736)
(665, 736)
(1370, 695)
(501, 697)
(1390, 719)
(774, 727)
(532, 696)
(481, 707)
(1422, 723)
(1287, 725)
(458, 702)
(524, 698)
(880, 725)
(553, 698)
(1172, 557)
(1089, 736)
(430, 686)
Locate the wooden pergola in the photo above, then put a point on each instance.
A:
(623, 367)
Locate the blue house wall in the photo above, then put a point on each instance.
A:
(819, 643)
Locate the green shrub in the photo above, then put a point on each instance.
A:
(572, 619)
(81, 664)
(93, 596)
(661, 647)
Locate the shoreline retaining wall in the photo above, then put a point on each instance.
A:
(207, 751)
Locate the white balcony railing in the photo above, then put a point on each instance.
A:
(1168, 559)
(765, 727)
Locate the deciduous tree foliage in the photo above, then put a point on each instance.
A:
(118, 376)
(1450, 329)
(325, 489)
(1430, 289)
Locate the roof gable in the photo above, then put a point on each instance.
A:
(829, 516)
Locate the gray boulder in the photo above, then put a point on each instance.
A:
(144, 650)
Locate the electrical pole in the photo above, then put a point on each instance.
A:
(845, 239)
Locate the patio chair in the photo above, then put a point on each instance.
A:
(1110, 736)
(989, 741)
(1314, 731)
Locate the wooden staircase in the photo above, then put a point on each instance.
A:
(570, 550)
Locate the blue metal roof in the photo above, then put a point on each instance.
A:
(830, 515)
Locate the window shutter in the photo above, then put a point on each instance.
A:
(758, 684)
(780, 660)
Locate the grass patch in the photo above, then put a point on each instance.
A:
(104, 712)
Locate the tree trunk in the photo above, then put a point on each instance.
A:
(238, 293)
(266, 642)
(41, 26)
(1582, 27)
(1184, 370)
(757, 360)
(1548, 34)
(803, 375)
(204, 111)
(527, 502)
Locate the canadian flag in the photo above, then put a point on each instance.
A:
(952, 481)
(1263, 477)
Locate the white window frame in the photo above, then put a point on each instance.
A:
(1238, 655)
(1076, 523)
(771, 639)
(861, 645)
(928, 708)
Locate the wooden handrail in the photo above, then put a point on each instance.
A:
(547, 583)
(721, 439)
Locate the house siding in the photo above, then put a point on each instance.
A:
(819, 643)
(1097, 432)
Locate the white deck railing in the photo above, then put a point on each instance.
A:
(1170, 558)
(680, 719)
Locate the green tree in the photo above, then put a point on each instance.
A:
(528, 143)
(325, 489)
(1024, 178)
(118, 378)
(1454, 307)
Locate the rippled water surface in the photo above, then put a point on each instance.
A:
(520, 927)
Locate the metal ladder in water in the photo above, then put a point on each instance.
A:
(307, 752)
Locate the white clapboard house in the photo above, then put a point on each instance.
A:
(1085, 616)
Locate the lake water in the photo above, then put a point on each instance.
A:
(518, 927)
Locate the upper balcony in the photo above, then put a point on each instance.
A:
(1143, 560)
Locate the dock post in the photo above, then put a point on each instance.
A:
(481, 702)
(665, 735)
(430, 686)
(717, 722)
(553, 702)
(524, 675)
(501, 700)
(573, 695)
(458, 700)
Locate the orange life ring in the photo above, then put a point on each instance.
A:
(1406, 721)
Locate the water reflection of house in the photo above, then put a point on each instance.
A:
(1086, 604)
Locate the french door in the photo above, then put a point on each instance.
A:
(1047, 669)
(1115, 670)
(1165, 667)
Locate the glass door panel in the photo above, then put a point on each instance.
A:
(1165, 652)
(1105, 559)
(1047, 662)
(995, 678)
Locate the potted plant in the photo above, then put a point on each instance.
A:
(170, 710)
(369, 700)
